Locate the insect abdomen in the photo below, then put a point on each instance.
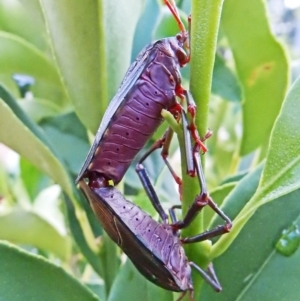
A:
(134, 122)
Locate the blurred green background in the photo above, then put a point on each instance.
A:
(60, 64)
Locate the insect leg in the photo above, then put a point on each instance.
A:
(182, 296)
(193, 211)
(190, 165)
(212, 273)
(163, 143)
(165, 153)
(218, 230)
(189, 35)
(144, 177)
(194, 166)
(192, 170)
(172, 213)
(202, 200)
(191, 108)
(209, 276)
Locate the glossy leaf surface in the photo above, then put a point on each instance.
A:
(47, 281)
(264, 75)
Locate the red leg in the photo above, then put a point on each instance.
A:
(191, 107)
(194, 166)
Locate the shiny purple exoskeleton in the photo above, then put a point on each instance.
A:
(153, 79)
(152, 83)
(154, 248)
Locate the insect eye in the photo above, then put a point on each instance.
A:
(181, 56)
(179, 38)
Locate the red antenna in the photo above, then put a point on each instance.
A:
(172, 7)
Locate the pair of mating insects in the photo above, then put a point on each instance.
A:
(151, 84)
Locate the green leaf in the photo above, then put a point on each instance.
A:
(282, 168)
(38, 108)
(98, 288)
(76, 39)
(281, 173)
(225, 82)
(218, 195)
(235, 178)
(261, 65)
(5, 189)
(166, 25)
(224, 118)
(110, 261)
(47, 281)
(86, 58)
(33, 179)
(232, 205)
(284, 283)
(143, 33)
(19, 56)
(120, 19)
(29, 141)
(64, 131)
(131, 285)
(47, 205)
(252, 267)
(80, 238)
(243, 192)
(26, 227)
(24, 19)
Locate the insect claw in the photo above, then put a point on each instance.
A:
(179, 183)
(192, 110)
(228, 227)
(183, 294)
(202, 146)
(202, 200)
(208, 134)
(197, 139)
(178, 225)
(191, 294)
(192, 173)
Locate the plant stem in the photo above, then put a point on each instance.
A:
(206, 16)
